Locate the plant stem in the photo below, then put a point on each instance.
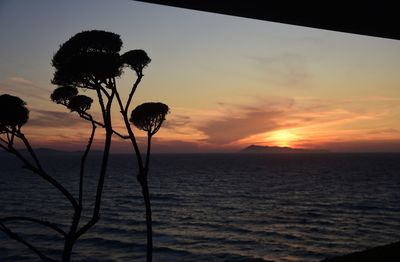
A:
(16, 237)
(106, 152)
(83, 161)
(142, 178)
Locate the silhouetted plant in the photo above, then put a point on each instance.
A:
(13, 116)
(136, 60)
(63, 94)
(148, 117)
(89, 60)
(80, 103)
(13, 113)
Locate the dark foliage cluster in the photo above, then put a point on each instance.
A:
(92, 57)
(63, 94)
(149, 116)
(80, 103)
(87, 56)
(136, 59)
(13, 112)
(68, 96)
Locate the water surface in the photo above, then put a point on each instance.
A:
(214, 207)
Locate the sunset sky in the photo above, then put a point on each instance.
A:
(229, 81)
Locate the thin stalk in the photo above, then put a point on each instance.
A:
(70, 238)
(5, 148)
(149, 136)
(34, 220)
(134, 87)
(44, 175)
(130, 132)
(107, 145)
(29, 147)
(16, 237)
(143, 179)
(143, 170)
(83, 160)
(86, 117)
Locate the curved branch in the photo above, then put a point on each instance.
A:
(4, 147)
(128, 126)
(31, 152)
(14, 236)
(83, 161)
(34, 220)
(149, 135)
(45, 176)
(86, 117)
(105, 92)
(97, 86)
(106, 111)
(4, 141)
(102, 106)
(134, 87)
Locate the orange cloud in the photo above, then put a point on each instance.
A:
(309, 122)
(25, 89)
(282, 121)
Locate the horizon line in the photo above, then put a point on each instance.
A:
(309, 151)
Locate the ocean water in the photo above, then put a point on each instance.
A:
(214, 207)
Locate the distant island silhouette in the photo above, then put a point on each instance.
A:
(50, 151)
(254, 149)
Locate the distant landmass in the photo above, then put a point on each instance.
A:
(50, 151)
(43, 150)
(254, 149)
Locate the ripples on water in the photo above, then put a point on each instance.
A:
(216, 207)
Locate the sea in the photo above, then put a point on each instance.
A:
(211, 207)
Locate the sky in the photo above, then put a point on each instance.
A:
(229, 82)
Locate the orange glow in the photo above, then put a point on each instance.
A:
(282, 137)
(309, 89)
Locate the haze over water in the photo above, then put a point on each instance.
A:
(217, 207)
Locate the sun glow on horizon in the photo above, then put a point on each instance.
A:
(283, 137)
(311, 88)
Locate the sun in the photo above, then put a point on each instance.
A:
(282, 137)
